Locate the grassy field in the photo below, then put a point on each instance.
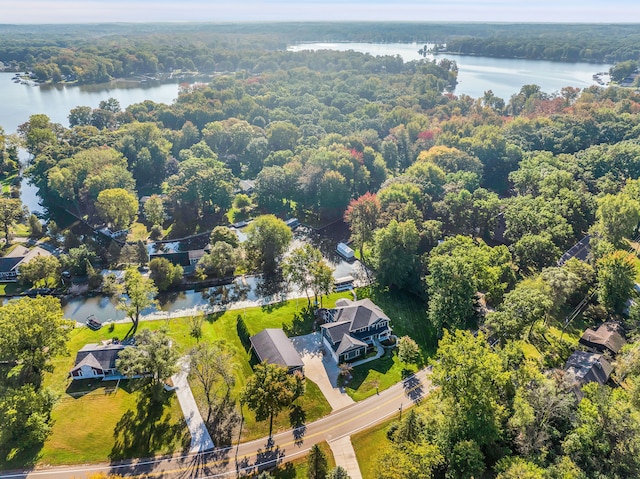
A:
(93, 422)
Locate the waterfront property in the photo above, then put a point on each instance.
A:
(352, 327)
(97, 361)
(10, 264)
(273, 346)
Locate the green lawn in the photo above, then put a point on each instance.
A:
(100, 425)
(408, 317)
(7, 182)
(370, 444)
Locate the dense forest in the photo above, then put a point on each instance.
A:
(465, 203)
(99, 53)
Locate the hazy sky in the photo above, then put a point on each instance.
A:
(82, 11)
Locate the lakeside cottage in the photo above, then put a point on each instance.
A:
(353, 327)
(97, 361)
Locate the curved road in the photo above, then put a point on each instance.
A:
(263, 453)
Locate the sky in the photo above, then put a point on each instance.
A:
(105, 11)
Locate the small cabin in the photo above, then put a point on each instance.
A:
(346, 252)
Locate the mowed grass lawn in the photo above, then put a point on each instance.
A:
(369, 445)
(408, 317)
(93, 423)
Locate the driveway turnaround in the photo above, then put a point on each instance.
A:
(200, 438)
(321, 370)
(345, 456)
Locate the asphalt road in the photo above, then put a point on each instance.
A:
(261, 454)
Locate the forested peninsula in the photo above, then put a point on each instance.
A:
(99, 53)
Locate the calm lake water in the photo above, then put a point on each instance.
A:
(476, 75)
(21, 101)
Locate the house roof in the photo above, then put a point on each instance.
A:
(7, 264)
(337, 330)
(273, 346)
(589, 367)
(348, 343)
(98, 356)
(608, 335)
(360, 314)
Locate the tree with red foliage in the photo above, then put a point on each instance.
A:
(362, 216)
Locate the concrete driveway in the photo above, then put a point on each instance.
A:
(320, 369)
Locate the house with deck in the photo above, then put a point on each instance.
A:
(352, 327)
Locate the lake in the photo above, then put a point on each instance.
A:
(19, 101)
(476, 75)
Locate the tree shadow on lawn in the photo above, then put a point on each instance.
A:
(302, 323)
(12, 458)
(213, 317)
(148, 430)
(360, 373)
(223, 422)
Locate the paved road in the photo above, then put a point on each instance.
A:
(260, 454)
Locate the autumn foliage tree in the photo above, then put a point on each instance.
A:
(362, 216)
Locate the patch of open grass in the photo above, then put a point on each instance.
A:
(137, 232)
(7, 182)
(370, 444)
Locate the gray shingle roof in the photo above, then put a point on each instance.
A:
(360, 314)
(608, 335)
(589, 367)
(348, 343)
(273, 346)
(98, 356)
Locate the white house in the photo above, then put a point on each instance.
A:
(97, 361)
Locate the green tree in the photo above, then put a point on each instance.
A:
(117, 207)
(466, 461)
(282, 135)
(472, 383)
(605, 437)
(41, 270)
(522, 308)
(164, 274)
(534, 252)
(26, 417)
(221, 261)
(35, 227)
(618, 217)
(224, 234)
(32, 332)
(267, 239)
(153, 356)
(395, 254)
(362, 216)
(451, 291)
(338, 472)
(11, 211)
(78, 260)
(317, 464)
(154, 210)
(408, 350)
(140, 293)
(298, 267)
(321, 279)
(518, 468)
(211, 364)
(270, 390)
(616, 279)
